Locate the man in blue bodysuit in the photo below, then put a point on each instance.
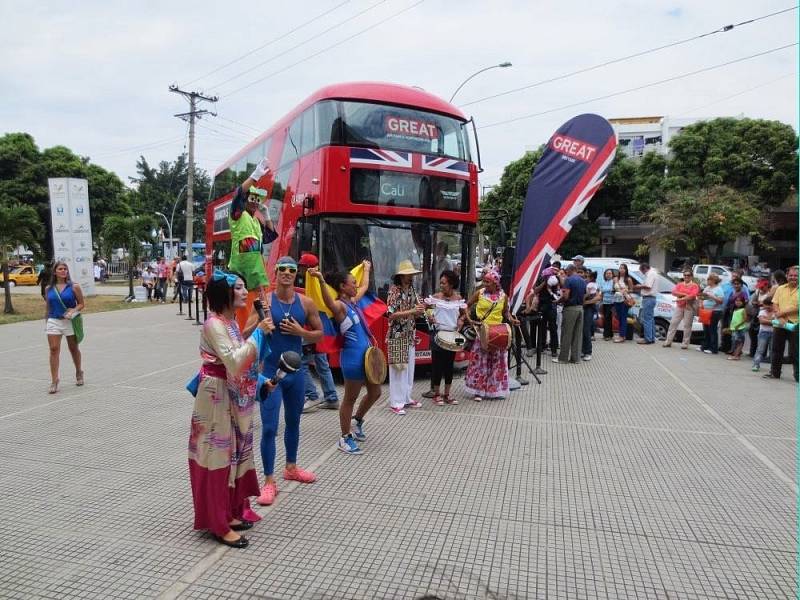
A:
(297, 322)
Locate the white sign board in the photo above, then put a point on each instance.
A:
(72, 230)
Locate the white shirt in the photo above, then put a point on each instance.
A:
(187, 269)
(649, 281)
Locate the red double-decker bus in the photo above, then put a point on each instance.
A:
(371, 171)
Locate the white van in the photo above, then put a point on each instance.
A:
(665, 301)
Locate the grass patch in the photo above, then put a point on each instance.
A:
(31, 308)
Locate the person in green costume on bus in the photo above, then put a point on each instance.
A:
(251, 227)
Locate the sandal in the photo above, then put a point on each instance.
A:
(437, 400)
(79, 378)
(53, 387)
(449, 400)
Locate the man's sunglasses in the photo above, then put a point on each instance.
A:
(283, 269)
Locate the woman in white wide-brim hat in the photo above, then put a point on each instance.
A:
(403, 307)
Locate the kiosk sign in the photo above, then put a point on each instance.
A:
(72, 229)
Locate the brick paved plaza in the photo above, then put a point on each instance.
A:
(646, 473)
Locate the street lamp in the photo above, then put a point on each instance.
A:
(169, 228)
(502, 65)
(171, 221)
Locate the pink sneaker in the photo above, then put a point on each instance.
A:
(414, 404)
(398, 410)
(268, 493)
(298, 474)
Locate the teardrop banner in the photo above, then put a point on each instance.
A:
(571, 170)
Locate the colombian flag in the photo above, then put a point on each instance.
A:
(372, 307)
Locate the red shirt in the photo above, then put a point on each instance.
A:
(690, 289)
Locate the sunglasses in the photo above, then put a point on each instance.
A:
(284, 269)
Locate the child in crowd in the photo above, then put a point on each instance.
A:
(738, 327)
(765, 315)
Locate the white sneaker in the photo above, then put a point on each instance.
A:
(587, 357)
(555, 360)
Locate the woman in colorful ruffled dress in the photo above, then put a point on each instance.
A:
(487, 373)
(221, 467)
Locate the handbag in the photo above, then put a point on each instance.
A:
(77, 320)
(630, 301)
(704, 316)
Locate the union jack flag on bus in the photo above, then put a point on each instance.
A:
(572, 168)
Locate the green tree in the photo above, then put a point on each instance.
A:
(755, 156)
(159, 188)
(650, 184)
(19, 226)
(129, 233)
(24, 171)
(705, 219)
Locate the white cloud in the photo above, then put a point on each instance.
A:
(94, 76)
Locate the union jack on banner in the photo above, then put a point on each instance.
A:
(572, 168)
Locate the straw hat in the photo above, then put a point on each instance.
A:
(406, 267)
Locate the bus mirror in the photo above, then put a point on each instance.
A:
(477, 145)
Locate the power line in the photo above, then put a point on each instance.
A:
(240, 124)
(269, 43)
(141, 147)
(347, 39)
(641, 87)
(723, 29)
(748, 90)
(296, 46)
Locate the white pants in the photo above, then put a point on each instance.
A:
(401, 381)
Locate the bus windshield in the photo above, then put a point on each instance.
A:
(432, 247)
(398, 128)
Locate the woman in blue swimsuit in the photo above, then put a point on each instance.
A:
(353, 329)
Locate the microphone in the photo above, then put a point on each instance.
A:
(289, 362)
(257, 304)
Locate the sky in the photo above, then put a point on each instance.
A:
(94, 76)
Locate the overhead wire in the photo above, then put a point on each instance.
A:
(339, 43)
(298, 45)
(741, 93)
(722, 29)
(269, 43)
(640, 87)
(140, 147)
(240, 124)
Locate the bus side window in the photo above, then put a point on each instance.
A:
(307, 139)
(240, 170)
(291, 144)
(328, 129)
(255, 155)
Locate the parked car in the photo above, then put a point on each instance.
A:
(700, 273)
(666, 303)
(24, 275)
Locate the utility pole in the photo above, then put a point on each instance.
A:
(194, 113)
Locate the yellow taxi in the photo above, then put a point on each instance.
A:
(24, 275)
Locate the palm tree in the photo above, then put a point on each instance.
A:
(128, 233)
(19, 226)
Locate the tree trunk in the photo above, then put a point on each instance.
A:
(130, 279)
(9, 308)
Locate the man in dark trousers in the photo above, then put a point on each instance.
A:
(572, 295)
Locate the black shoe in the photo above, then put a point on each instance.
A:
(769, 376)
(242, 542)
(243, 526)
